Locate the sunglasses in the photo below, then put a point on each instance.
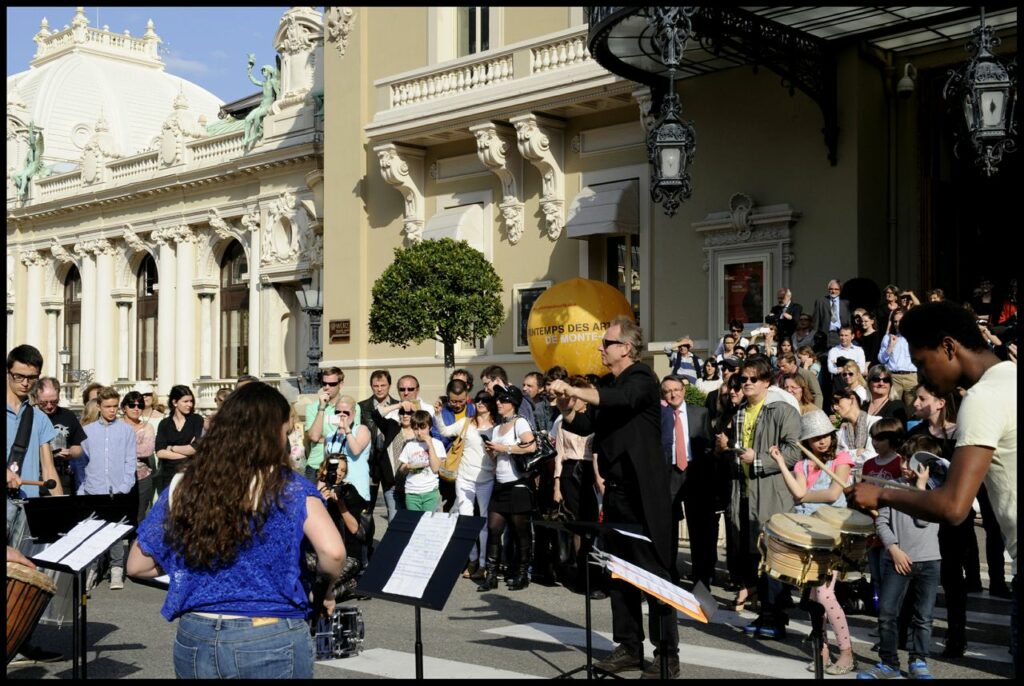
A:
(504, 399)
(405, 413)
(331, 384)
(47, 402)
(134, 405)
(883, 379)
(479, 401)
(345, 414)
(749, 379)
(847, 374)
(407, 390)
(605, 343)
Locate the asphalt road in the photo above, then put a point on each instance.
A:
(537, 632)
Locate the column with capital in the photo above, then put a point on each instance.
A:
(33, 262)
(166, 280)
(103, 331)
(123, 299)
(87, 355)
(51, 360)
(184, 332)
(206, 334)
(251, 221)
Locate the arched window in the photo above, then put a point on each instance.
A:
(146, 309)
(73, 316)
(234, 312)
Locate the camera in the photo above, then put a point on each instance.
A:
(348, 494)
(331, 475)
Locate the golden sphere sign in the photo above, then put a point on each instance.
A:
(567, 322)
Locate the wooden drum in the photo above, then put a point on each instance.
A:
(799, 549)
(855, 528)
(28, 592)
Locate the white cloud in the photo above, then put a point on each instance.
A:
(179, 64)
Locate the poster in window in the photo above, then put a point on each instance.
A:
(744, 289)
(524, 297)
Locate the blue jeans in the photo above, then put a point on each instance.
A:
(389, 503)
(208, 648)
(925, 578)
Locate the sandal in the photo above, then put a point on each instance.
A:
(837, 669)
(470, 570)
(742, 598)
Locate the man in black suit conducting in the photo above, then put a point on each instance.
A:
(624, 413)
(686, 446)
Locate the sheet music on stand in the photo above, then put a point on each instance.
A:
(419, 559)
(89, 539)
(662, 589)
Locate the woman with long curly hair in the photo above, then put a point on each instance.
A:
(229, 532)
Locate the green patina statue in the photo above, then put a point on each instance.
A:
(33, 161)
(271, 90)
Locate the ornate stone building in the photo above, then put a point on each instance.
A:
(152, 243)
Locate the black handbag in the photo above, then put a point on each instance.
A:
(528, 464)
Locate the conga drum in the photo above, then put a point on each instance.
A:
(799, 549)
(855, 529)
(28, 592)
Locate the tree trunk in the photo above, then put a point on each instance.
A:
(449, 362)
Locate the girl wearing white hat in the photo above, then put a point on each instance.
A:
(812, 488)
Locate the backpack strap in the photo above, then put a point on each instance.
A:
(21, 439)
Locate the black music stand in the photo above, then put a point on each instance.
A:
(52, 517)
(449, 568)
(588, 530)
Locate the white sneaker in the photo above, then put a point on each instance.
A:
(116, 578)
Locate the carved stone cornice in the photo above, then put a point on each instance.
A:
(135, 243)
(164, 236)
(82, 250)
(60, 253)
(101, 246)
(339, 22)
(183, 233)
(497, 149)
(31, 258)
(251, 220)
(646, 103)
(402, 167)
(220, 227)
(746, 224)
(540, 141)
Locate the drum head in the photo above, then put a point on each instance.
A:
(846, 520)
(31, 577)
(803, 531)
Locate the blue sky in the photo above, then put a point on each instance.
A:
(206, 45)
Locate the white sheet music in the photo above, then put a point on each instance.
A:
(420, 557)
(84, 543)
(664, 588)
(632, 535)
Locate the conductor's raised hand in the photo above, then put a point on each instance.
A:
(560, 389)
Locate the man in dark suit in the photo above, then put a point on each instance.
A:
(831, 313)
(380, 462)
(785, 314)
(686, 445)
(624, 414)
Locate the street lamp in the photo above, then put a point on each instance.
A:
(78, 376)
(646, 44)
(987, 92)
(310, 298)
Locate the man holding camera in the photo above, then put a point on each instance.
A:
(452, 406)
(322, 419)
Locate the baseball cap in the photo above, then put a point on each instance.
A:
(510, 393)
(730, 362)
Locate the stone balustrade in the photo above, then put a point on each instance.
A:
(543, 55)
(135, 166)
(54, 186)
(211, 149)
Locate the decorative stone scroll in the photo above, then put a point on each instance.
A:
(497, 149)
(402, 167)
(339, 25)
(540, 141)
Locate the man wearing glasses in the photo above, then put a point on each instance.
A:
(624, 414)
(831, 313)
(30, 460)
(67, 446)
(322, 419)
(736, 329)
(761, 491)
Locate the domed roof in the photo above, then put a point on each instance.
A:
(80, 75)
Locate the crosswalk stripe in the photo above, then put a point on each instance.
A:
(394, 664)
(698, 656)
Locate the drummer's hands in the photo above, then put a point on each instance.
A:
(13, 480)
(900, 560)
(14, 555)
(863, 496)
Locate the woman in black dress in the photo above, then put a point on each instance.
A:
(177, 435)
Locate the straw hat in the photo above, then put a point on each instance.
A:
(815, 424)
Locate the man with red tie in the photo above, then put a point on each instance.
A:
(686, 443)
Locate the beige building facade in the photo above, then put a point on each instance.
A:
(527, 148)
(156, 244)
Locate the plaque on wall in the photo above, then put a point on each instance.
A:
(340, 330)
